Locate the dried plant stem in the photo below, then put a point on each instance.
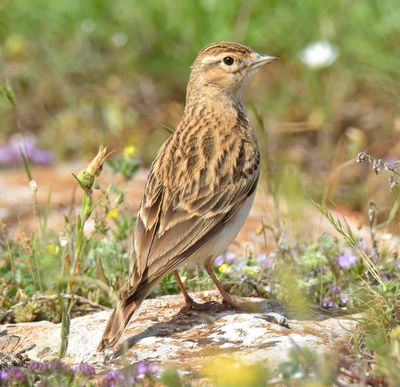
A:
(9, 252)
(378, 165)
(48, 298)
(372, 217)
(334, 168)
(78, 299)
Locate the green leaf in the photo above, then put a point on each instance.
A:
(7, 92)
(167, 128)
(170, 377)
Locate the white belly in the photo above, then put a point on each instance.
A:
(218, 243)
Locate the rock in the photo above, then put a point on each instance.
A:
(163, 333)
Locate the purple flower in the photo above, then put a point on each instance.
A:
(240, 265)
(219, 261)
(37, 366)
(344, 298)
(335, 288)
(361, 244)
(328, 303)
(264, 260)
(141, 368)
(10, 153)
(57, 366)
(230, 257)
(152, 369)
(146, 369)
(391, 160)
(132, 380)
(347, 259)
(112, 378)
(86, 369)
(15, 374)
(3, 375)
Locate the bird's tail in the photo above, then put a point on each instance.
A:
(119, 319)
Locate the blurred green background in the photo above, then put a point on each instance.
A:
(90, 72)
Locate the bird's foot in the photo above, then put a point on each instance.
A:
(193, 305)
(240, 303)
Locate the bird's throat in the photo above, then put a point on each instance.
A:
(213, 103)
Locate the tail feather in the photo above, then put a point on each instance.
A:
(118, 321)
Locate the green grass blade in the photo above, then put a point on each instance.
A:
(25, 162)
(167, 128)
(346, 232)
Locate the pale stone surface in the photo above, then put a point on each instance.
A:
(163, 333)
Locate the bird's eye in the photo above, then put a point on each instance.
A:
(228, 60)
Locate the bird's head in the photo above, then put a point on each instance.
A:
(225, 67)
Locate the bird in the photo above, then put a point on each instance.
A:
(201, 185)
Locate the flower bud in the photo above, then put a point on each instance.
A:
(85, 179)
(96, 165)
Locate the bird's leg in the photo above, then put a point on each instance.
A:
(228, 299)
(189, 300)
(190, 303)
(234, 301)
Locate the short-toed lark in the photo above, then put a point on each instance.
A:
(201, 185)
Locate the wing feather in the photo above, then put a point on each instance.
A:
(178, 215)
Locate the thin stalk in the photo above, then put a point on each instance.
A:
(81, 240)
(65, 323)
(10, 258)
(86, 180)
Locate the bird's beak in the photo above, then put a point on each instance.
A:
(261, 59)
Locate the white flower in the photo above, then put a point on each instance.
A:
(63, 241)
(89, 228)
(319, 54)
(88, 25)
(119, 39)
(33, 186)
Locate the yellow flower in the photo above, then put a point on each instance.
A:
(129, 151)
(232, 372)
(15, 45)
(395, 333)
(52, 249)
(113, 213)
(223, 268)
